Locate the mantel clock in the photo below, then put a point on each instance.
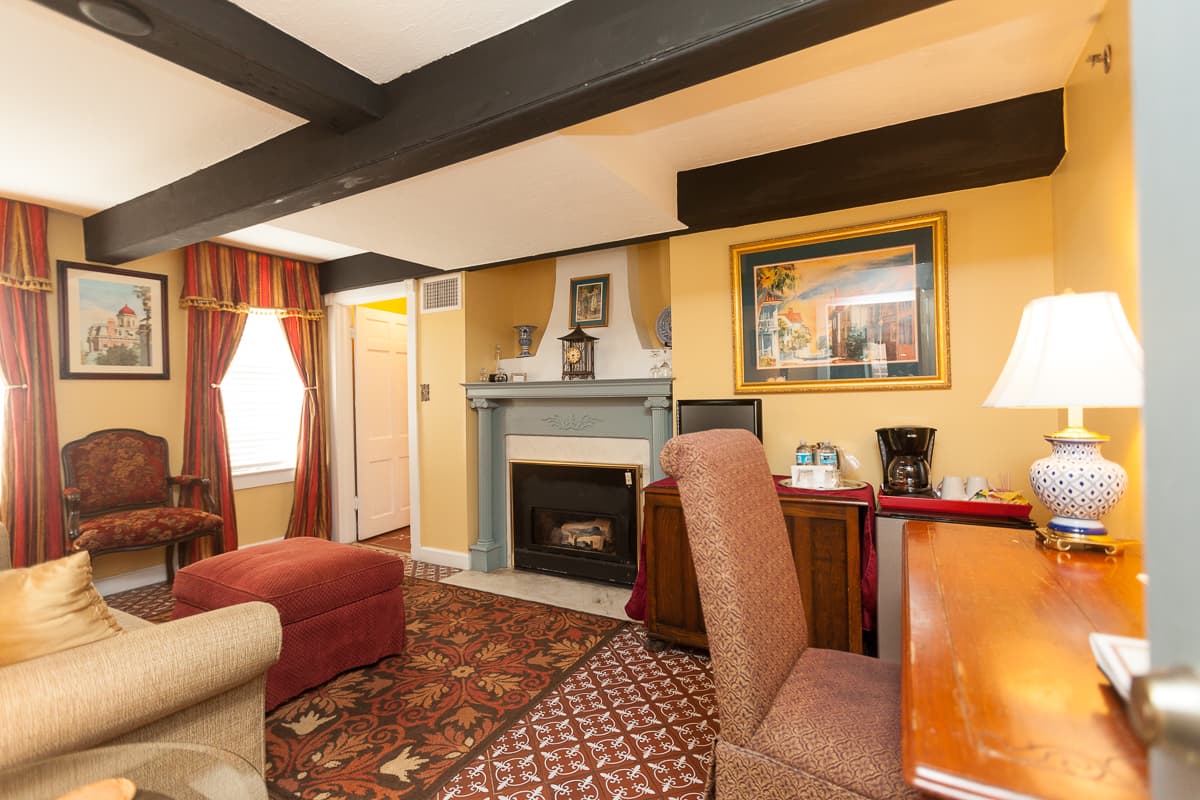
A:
(578, 355)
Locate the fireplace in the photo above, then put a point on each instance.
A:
(579, 520)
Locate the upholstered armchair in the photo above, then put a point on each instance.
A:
(796, 721)
(121, 496)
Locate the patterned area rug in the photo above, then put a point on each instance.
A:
(398, 729)
(628, 723)
(152, 603)
(474, 663)
(495, 698)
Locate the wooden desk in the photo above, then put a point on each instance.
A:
(1001, 695)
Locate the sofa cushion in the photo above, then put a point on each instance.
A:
(301, 577)
(145, 526)
(51, 607)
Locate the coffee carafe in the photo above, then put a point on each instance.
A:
(907, 454)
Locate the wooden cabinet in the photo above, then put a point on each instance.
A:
(825, 545)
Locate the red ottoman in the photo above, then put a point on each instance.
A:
(340, 606)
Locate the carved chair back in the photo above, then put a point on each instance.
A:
(118, 469)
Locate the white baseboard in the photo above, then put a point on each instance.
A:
(264, 541)
(149, 575)
(131, 580)
(445, 558)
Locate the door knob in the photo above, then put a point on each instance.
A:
(1164, 708)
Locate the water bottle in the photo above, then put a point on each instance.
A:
(827, 455)
(804, 454)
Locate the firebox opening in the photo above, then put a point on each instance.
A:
(579, 520)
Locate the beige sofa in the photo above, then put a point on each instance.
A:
(200, 680)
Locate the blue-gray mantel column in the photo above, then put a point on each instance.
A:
(487, 554)
(660, 431)
(630, 408)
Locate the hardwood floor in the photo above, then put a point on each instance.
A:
(399, 540)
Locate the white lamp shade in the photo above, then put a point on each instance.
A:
(1072, 350)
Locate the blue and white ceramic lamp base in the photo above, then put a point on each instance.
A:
(1078, 485)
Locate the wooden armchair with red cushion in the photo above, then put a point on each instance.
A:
(121, 496)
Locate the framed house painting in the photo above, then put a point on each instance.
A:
(589, 301)
(112, 323)
(855, 308)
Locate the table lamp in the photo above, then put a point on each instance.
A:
(1072, 351)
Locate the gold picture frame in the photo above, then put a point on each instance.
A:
(857, 308)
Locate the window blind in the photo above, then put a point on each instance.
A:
(262, 394)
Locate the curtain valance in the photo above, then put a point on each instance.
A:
(232, 279)
(24, 257)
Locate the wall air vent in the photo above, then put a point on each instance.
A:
(441, 294)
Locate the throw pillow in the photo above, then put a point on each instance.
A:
(51, 607)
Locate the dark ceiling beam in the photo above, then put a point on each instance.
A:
(227, 44)
(367, 269)
(1007, 141)
(577, 62)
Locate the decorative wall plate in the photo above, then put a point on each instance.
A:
(662, 326)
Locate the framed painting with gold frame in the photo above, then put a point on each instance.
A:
(848, 309)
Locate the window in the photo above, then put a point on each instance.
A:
(262, 395)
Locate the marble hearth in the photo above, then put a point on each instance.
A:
(582, 414)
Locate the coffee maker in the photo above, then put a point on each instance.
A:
(907, 454)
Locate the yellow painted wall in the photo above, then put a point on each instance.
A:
(447, 434)
(1000, 256)
(396, 306)
(263, 512)
(155, 406)
(1095, 228)
(649, 288)
(530, 301)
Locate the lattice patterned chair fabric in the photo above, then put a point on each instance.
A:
(796, 721)
(120, 495)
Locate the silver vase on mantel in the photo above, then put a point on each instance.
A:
(525, 339)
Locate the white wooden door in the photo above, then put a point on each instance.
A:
(1166, 103)
(381, 420)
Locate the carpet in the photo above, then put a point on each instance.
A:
(400, 728)
(628, 723)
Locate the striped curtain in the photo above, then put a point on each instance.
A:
(218, 280)
(213, 338)
(231, 279)
(31, 495)
(311, 505)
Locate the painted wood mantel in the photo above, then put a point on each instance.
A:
(630, 408)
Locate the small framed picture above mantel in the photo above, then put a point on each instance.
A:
(849, 309)
(112, 323)
(589, 301)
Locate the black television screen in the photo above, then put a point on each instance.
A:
(704, 415)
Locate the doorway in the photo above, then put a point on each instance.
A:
(388, 469)
(381, 405)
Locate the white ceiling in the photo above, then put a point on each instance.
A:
(384, 39)
(107, 122)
